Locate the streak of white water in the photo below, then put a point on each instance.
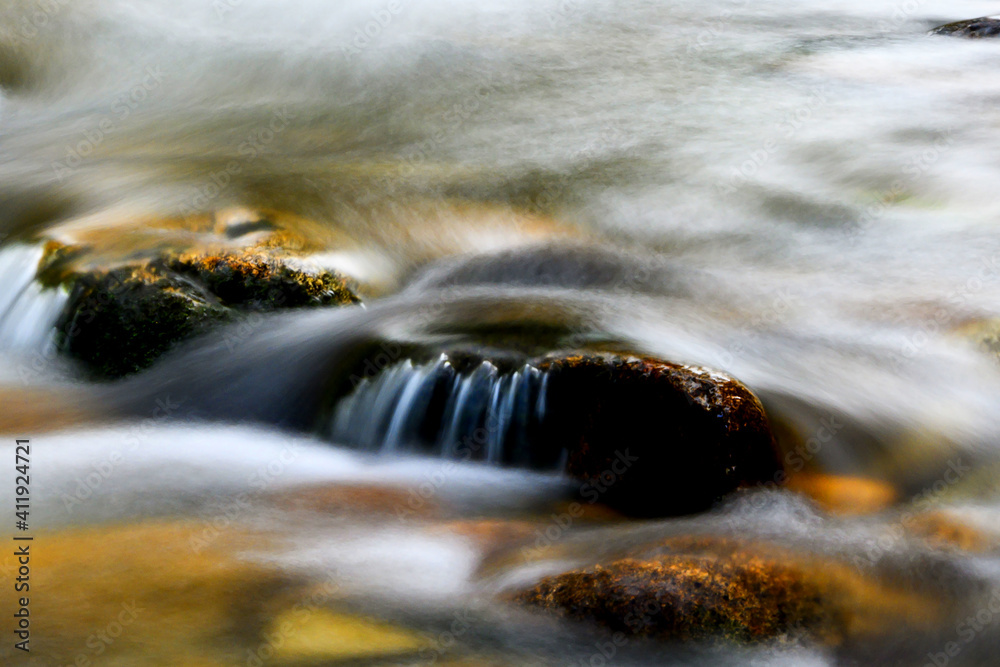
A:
(28, 312)
(485, 409)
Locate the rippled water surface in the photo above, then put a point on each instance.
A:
(801, 194)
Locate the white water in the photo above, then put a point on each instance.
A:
(28, 312)
(486, 415)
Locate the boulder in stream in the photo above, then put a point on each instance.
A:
(654, 438)
(641, 435)
(986, 26)
(691, 588)
(120, 320)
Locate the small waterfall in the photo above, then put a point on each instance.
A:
(470, 411)
(28, 311)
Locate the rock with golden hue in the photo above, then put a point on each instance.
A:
(39, 410)
(119, 321)
(944, 529)
(845, 495)
(653, 438)
(155, 599)
(701, 588)
(154, 594)
(316, 634)
(353, 498)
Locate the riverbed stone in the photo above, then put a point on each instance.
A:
(986, 26)
(693, 588)
(653, 438)
(120, 320)
(846, 495)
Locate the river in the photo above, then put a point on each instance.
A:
(795, 193)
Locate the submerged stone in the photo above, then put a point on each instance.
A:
(950, 529)
(703, 588)
(986, 26)
(844, 494)
(119, 321)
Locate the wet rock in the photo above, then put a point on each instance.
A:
(701, 588)
(983, 333)
(145, 585)
(258, 282)
(120, 320)
(653, 438)
(944, 529)
(163, 595)
(643, 436)
(987, 26)
(843, 494)
(234, 223)
(359, 499)
(44, 409)
(324, 636)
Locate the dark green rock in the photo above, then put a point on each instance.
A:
(974, 28)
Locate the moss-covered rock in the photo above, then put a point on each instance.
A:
(987, 26)
(257, 282)
(120, 320)
(702, 588)
(653, 438)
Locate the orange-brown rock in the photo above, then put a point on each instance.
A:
(148, 592)
(700, 588)
(353, 498)
(845, 495)
(945, 530)
(38, 410)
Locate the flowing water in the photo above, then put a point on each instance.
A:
(797, 193)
